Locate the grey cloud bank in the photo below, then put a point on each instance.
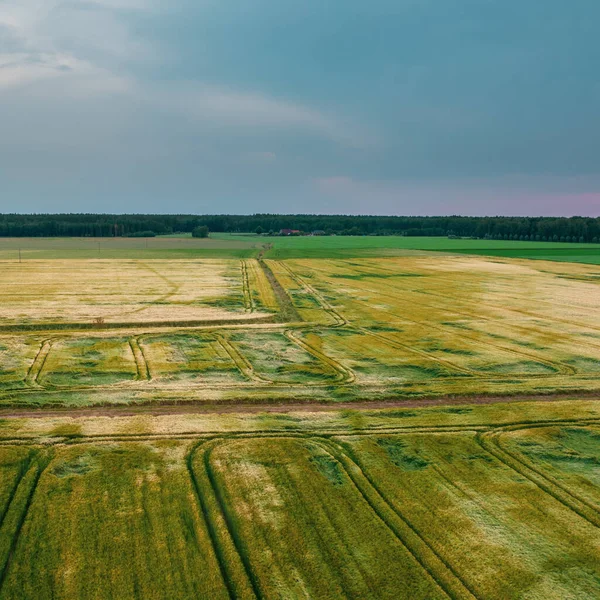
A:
(340, 107)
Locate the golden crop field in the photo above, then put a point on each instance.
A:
(417, 426)
(76, 332)
(492, 501)
(129, 292)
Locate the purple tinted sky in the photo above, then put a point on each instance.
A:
(344, 106)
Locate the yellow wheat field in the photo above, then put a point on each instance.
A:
(178, 330)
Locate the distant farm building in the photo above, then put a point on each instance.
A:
(289, 232)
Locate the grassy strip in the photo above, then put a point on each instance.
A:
(287, 310)
(132, 325)
(248, 302)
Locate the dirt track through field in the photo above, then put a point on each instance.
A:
(284, 407)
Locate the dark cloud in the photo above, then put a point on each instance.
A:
(466, 106)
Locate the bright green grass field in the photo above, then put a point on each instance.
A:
(223, 245)
(373, 246)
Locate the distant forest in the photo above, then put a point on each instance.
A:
(573, 229)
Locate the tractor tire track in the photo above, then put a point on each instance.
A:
(36, 468)
(489, 443)
(344, 374)
(142, 367)
(496, 438)
(539, 471)
(408, 535)
(446, 582)
(33, 374)
(244, 366)
(340, 320)
(247, 293)
(229, 558)
(447, 363)
(25, 465)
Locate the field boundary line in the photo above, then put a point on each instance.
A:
(38, 363)
(14, 401)
(85, 326)
(323, 433)
(488, 442)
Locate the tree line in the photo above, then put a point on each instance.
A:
(572, 229)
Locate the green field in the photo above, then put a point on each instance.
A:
(497, 501)
(331, 418)
(381, 246)
(223, 245)
(163, 247)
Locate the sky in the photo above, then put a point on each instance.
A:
(398, 107)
